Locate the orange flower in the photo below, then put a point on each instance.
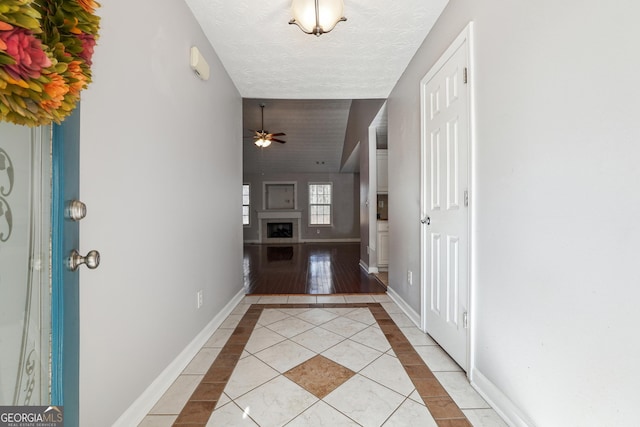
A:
(4, 26)
(56, 89)
(76, 74)
(88, 5)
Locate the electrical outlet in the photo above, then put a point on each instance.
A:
(200, 299)
(410, 277)
(318, 231)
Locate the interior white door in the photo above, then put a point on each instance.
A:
(445, 183)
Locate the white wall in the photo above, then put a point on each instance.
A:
(160, 169)
(557, 203)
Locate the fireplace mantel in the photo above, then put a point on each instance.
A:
(274, 214)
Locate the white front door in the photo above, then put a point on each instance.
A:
(445, 116)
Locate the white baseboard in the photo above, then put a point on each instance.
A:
(410, 312)
(509, 412)
(365, 267)
(143, 404)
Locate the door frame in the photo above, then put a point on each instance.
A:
(465, 37)
(65, 309)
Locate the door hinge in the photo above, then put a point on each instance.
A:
(466, 197)
(465, 77)
(465, 320)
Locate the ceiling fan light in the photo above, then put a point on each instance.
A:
(329, 14)
(263, 143)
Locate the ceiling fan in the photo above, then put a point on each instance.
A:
(263, 138)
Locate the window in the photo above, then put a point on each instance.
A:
(319, 204)
(246, 198)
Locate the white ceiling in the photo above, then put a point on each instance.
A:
(361, 58)
(273, 62)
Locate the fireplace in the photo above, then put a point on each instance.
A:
(279, 230)
(279, 227)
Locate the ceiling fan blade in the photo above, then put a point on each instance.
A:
(278, 134)
(278, 140)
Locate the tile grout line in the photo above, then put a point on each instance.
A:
(439, 403)
(204, 399)
(202, 402)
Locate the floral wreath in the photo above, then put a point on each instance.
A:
(45, 58)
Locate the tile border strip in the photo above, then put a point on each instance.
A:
(204, 399)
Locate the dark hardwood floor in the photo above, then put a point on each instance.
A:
(306, 268)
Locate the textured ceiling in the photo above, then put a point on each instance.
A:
(361, 58)
(308, 82)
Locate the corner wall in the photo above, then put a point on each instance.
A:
(362, 113)
(556, 202)
(161, 164)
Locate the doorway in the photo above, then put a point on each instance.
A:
(39, 311)
(445, 194)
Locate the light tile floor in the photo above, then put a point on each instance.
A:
(263, 388)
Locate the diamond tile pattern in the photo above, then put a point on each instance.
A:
(319, 375)
(317, 365)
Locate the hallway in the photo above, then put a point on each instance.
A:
(327, 360)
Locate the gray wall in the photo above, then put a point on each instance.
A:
(345, 204)
(160, 170)
(362, 113)
(555, 277)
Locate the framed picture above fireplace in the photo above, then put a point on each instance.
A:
(280, 196)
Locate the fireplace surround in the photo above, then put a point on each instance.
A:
(278, 227)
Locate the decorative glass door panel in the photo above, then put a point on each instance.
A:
(25, 266)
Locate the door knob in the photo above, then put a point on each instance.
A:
(75, 260)
(426, 220)
(75, 210)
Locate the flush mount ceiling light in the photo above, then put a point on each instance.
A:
(317, 16)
